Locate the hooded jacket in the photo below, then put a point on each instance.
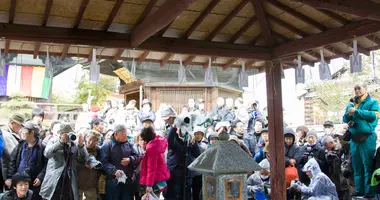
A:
(321, 187)
(153, 166)
(293, 151)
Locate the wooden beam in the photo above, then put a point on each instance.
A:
(6, 47)
(243, 29)
(166, 59)
(297, 15)
(142, 57)
(65, 51)
(49, 3)
(201, 17)
(80, 13)
(264, 24)
(163, 31)
(227, 20)
(373, 39)
(229, 63)
(118, 54)
(361, 49)
(276, 129)
(334, 16)
(205, 65)
(335, 35)
(167, 12)
(12, 11)
(255, 39)
(188, 61)
(287, 26)
(36, 50)
(337, 52)
(113, 14)
(367, 9)
(146, 11)
(120, 40)
(281, 36)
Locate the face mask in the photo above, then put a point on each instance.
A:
(264, 177)
(328, 131)
(146, 108)
(201, 106)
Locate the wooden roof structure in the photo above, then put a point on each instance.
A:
(229, 31)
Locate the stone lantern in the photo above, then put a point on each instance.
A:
(224, 167)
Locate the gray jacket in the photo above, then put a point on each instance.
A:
(255, 182)
(11, 140)
(56, 164)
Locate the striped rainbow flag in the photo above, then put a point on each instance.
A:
(27, 80)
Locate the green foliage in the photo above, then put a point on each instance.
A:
(17, 103)
(100, 90)
(333, 95)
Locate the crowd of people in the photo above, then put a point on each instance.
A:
(147, 152)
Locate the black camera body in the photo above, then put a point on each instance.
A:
(72, 136)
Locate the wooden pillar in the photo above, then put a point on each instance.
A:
(276, 130)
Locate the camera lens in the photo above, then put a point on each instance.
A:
(186, 120)
(72, 136)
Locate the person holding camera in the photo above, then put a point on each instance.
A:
(119, 160)
(362, 115)
(181, 150)
(60, 182)
(29, 157)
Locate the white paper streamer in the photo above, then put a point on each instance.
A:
(94, 68)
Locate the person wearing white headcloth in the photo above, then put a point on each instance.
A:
(259, 181)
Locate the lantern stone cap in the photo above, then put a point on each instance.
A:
(226, 157)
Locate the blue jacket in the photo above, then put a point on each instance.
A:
(365, 117)
(113, 152)
(1, 144)
(177, 150)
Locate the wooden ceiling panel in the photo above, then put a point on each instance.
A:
(317, 16)
(210, 23)
(198, 6)
(52, 48)
(31, 7)
(4, 17)
(62, 22)
(140, 2)
(234, 26)
(67, 8)
(244, 40)
(247, 11)
(129, 14)
(225, 7)
(185, 20)
(93, 25)
(198, 35)
(253, 30)
(5, 5)
(98, 10)
(29, 19)
(283, 31)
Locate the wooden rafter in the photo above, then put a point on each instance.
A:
(113, 14)
(360, 48)
(36, 50)
(255, 39)
(263, 21)
(49, 3)
(205, 65)
(166, 59)
(167, 13)
(227, 20)
(6, 48)
(287, 26)
(142, 57)
(365, 8)
(12, 11)
(65, 51)
(163, 31)
(146, 11)
(229, 63)
(201, 17)
(335, 35)
(334, 16)
(297, 15)
(117, 55)
(188, 61)
(80, 13)
(337, 52)
(373, 39)
(281, 36)
(243, 29)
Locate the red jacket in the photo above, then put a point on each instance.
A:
(153, 166)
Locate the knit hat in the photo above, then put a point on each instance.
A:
(65, 128)
(264, 164)
(312, 132)
(17, 118)
(119, 127)
(212, 135)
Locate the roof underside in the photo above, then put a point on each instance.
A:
(162, 31)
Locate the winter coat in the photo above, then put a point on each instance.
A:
(321, 187)
(153, 166)
(177, 150)
(88, 178)
(334, 170)
(11, 195)
(1, 144)
(222, 114)
(255, 182)
(242, 115)
(304, 155)
(11, 140)
(365, 117)
(54, 151)
(293, 151)
(39, 171)
(252, 139)
(111, 155)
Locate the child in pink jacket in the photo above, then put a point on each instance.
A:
(154, 171)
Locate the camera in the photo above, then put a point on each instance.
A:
(351, 124)
(72, 136)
